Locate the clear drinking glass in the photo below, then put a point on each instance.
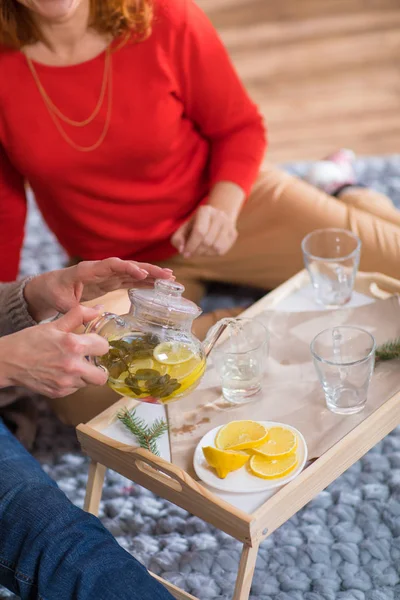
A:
(344, 358)
(331, 257)
(241, 359)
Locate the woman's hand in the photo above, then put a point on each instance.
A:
(210, 232)
(50, 359)
(59, 291)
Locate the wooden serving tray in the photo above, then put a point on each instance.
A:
(250, 527)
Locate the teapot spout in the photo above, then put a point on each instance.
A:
(214, 334)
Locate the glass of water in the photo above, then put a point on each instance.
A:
(331, 257)
(344, 358)
(241, 359)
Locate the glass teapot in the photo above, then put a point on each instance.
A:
(153, 355)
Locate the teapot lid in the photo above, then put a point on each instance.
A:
(165, 300)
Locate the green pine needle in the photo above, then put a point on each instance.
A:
(388, 351)
(146, 435)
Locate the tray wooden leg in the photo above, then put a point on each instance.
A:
(246, 570)
(94, 487)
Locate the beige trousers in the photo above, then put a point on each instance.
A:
(279, 213)
(281, 210)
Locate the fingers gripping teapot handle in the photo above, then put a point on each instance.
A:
(107, 325)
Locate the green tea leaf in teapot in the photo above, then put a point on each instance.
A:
(115, 370)
(151, 340)
(165, 392)
(137, 353)
(114, 362)
(133, 384)
(174, 383)
(147, 375)
(163, 387)
(154, 387)
(111, 357)
(171, 387)
(115, 353)
(157, 386)
(120, 345)
(140, 348)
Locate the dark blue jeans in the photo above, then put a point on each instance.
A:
(52, 550)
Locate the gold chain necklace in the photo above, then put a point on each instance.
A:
(56, 115)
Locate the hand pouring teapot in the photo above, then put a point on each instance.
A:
(153, 355)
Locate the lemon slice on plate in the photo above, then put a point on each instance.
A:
(280, 442)
(274, 468)
(224, 461)
(241, 435)
(172, 353)
(259, 473)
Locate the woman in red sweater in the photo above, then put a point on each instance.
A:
(138, 139)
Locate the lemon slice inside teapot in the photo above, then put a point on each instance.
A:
(173, 353)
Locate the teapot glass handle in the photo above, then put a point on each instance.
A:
(97, 324)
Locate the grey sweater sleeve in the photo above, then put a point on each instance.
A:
(14, 313)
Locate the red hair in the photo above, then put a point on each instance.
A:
(115, 17)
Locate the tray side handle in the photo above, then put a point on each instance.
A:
(166, 480)
(377, 285)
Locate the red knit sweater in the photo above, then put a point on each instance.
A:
(181, 121)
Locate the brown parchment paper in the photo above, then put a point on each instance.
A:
(291, 392)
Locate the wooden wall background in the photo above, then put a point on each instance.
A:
(326, 73)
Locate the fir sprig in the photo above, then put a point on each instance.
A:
(388, 351)
(146, 435)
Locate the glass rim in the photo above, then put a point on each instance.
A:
(253, 349)
(343, 364)
(331, 230)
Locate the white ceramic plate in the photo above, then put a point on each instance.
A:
(241, 481)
